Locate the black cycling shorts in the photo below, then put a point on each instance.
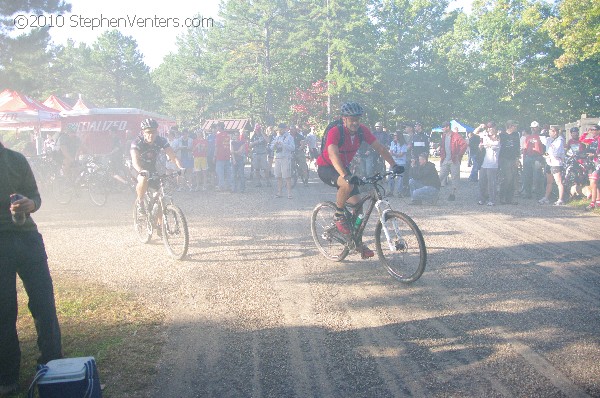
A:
(329, 175)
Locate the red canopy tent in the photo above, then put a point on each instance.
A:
(81, 106)
(18, 110)
(56, 103)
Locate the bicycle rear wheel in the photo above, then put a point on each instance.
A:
(141, 225)
(329, 241)
(97, 189)
(406, 258)
(62, 189)
(175, 232)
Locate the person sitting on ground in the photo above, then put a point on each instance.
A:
(424, 182)
(334, 163)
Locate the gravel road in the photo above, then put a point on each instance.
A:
(509, 304)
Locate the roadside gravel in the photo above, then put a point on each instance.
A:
(508, 304)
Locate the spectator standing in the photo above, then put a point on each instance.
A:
(200, 152)
(283, 150)
(474, 141)
(452, 149)
(311, 142)
(22, 253)
(555, 159)
(592, 139)
(223, 158)
(488, 173)
(408, 137)
(384, 139)
(420, 141)
(573, 144)
(533, 162)
(210, 155)
(239, 150)
(271, 134)
(185, 146)
(258, 147)
(398, 149)
(424, 182)
(507, 162)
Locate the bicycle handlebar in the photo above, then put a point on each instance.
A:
(377, 177)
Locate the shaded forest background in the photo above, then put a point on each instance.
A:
(297, 60)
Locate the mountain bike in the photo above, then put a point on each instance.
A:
(92, 176)
(398, 240)
(160, 214)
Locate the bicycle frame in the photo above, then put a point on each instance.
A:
(376, 201)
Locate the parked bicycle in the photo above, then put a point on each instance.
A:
(299, 170)
(398, 240)
(92, 176)
(163, 216)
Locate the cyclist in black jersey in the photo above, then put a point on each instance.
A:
(144, 153)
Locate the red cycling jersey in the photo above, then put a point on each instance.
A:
(349, 147)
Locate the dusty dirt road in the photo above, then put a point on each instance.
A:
(509, 304)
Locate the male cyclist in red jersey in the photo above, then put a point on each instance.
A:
(333, 163)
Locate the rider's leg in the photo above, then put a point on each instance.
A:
(141, 187)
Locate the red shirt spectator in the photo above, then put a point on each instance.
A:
(533, 145)
(222, 146)
(200, 147)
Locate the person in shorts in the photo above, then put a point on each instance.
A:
(200, 152)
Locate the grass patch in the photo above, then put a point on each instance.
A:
(582, 204)
(123, 335)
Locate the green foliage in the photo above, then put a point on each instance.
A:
(120, 76)
(576, 30)
(403, 59)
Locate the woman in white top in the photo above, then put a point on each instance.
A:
(489, 167)
(555, 159)
(398, 149)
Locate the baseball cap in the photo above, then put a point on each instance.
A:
(534, 124)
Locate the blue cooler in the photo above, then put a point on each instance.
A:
(67, 378)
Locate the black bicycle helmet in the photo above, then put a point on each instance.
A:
(351, 109)
(574, 130)
(148, 124)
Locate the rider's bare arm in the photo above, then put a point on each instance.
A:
(383, 151)
(135, 160)
(172, 157)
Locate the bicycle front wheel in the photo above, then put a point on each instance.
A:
(141, 225)
(402, 251)
(98, 190)
(329, 241)
(175, 232)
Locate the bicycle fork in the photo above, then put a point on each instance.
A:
(383, 208)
